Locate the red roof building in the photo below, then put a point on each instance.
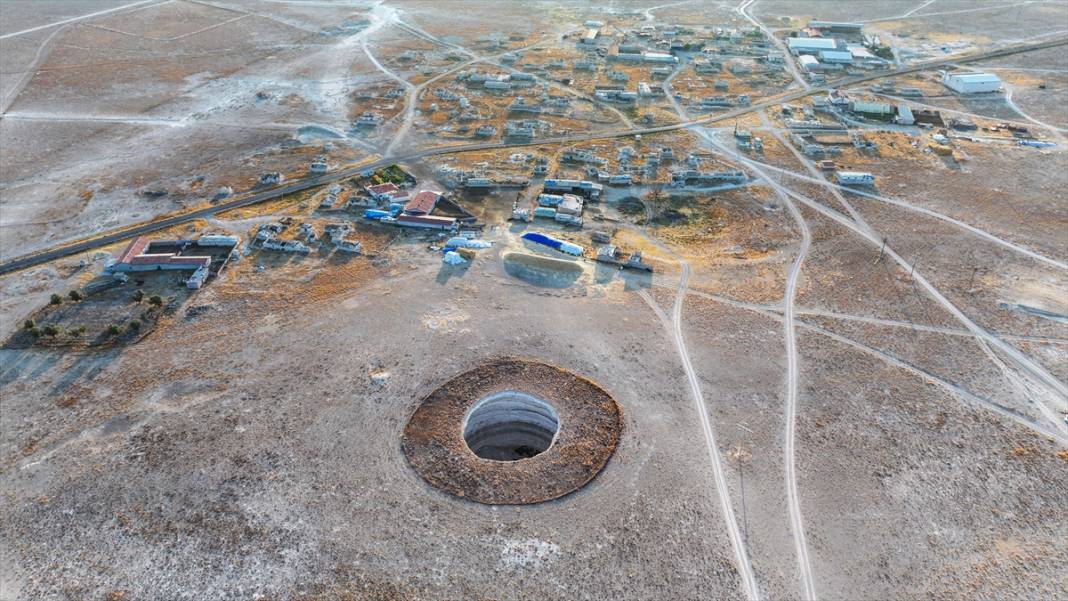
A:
(387, 190)
(134, 258)
(422, 203)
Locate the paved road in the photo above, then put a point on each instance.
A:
(118, 235)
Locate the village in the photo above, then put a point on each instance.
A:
(416, 300)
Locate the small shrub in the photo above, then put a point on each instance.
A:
(114, 330)
(56, 299)
(75, 295)
(29, 324)
(77, 332)
(135, 325)
(35, 332)
(51, 330)
(139, 296)
(155, 300)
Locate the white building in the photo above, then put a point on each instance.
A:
(971, 83)
(854, 178)
(810, 45)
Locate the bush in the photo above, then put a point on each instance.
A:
(139, 296)
(56, 299)
(29, 324)
(35, 332)
(77, 332)
(135, 325)
(114, 330)
(75, 295)
(51, 330)
(155, 300)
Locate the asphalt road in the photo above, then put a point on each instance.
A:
(118, 235)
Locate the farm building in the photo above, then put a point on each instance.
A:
(810, 45)
(422, 203)
(971, 83)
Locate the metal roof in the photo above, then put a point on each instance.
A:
(812, 43)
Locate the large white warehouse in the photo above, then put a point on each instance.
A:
(971, 83)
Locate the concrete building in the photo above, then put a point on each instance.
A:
(971, 83)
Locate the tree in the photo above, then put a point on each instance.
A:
(51, 330)
(155, 300)
(114, 330)
(29, 324)
(135, 325)
(56, 299)
(75, 295)
(139, 296)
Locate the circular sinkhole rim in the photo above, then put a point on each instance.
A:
(537, 406)
(591, 427)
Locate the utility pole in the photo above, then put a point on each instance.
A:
(882, 249)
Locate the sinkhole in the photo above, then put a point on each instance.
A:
(509, 426)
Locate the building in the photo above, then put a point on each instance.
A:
(808, 62)
(854, 178)
(139, 256)
(836, 56)
(874, 110)
(590, 37)
(904, 115)
(426, 221)
(422, 203)
(971, 83)
(836, 27)
(810, 45)
(387, 192)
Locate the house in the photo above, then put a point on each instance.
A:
(590, 37)
(387, 192)
(971, 83)
(422, 203)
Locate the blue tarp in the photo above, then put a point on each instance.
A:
(542, 239)
(375, 214)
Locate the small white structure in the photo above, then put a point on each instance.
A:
(971, 83)
(854, 178)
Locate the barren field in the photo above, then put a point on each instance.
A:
(627, 362)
